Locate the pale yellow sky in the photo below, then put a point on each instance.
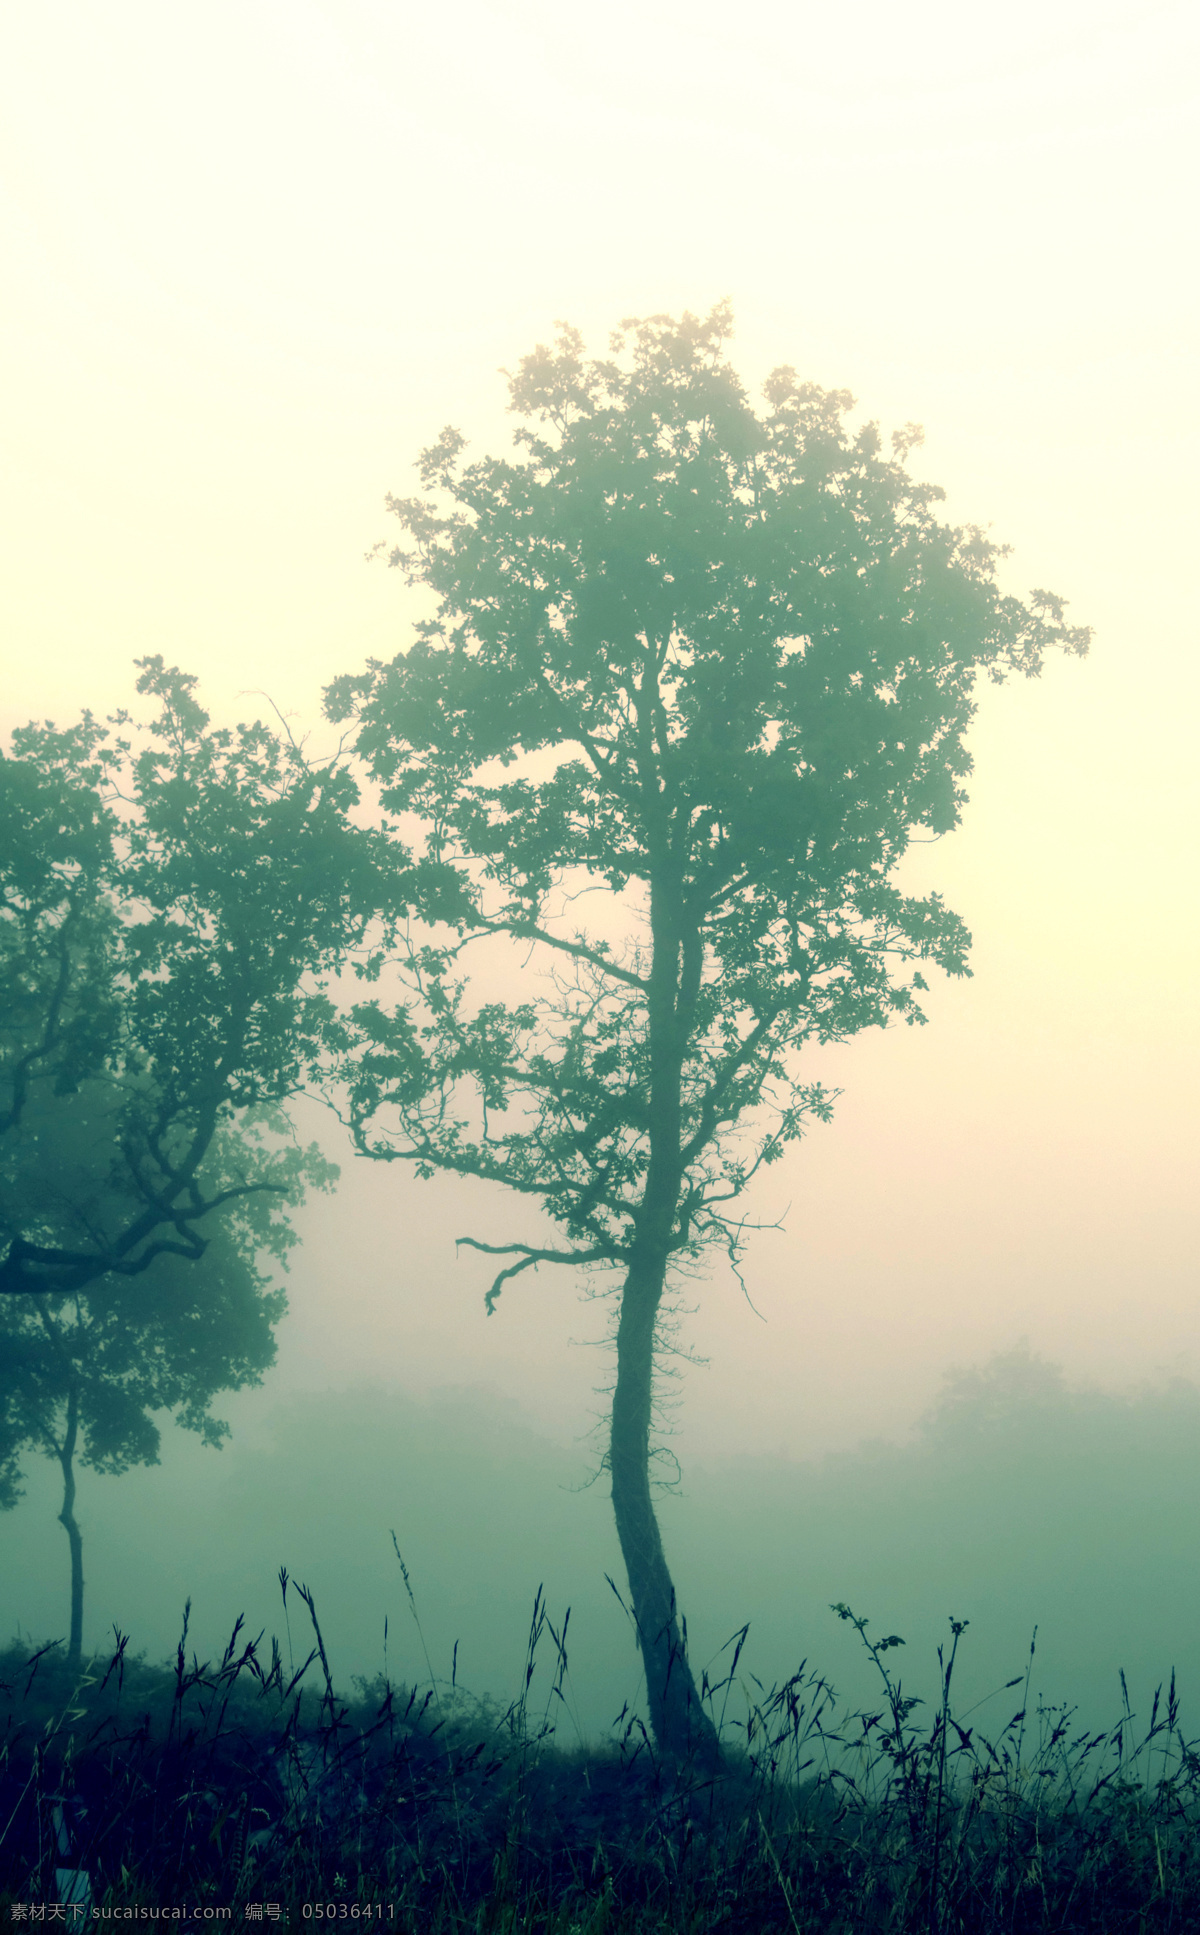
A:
(255, 255)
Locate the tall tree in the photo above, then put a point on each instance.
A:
(81, 1372)
(720, 664)
(170, 902)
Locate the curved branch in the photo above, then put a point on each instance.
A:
(78, 1268)
(530, 1258)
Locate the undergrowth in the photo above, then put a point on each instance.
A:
(235, 1789)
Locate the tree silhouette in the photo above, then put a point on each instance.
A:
(718, 666)
(170, 901)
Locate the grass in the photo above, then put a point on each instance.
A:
(240, 1785)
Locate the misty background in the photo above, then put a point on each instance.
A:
(257, 257)
(1017, 1504)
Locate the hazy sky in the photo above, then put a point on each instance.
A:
(257, 255)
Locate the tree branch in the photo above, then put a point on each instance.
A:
(530, 1258)
(81, 1267)
(530, 931)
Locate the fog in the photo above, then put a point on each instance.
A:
(1019, 1504)
(257, 257)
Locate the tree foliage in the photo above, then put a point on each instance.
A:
(721, 663)
(172, 1337)
(171, 901)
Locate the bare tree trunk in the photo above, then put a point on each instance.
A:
(682, 1728)
(66, 1458)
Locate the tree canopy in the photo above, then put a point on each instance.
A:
(171, 902)
(735, 657)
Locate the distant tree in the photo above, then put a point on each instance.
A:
(999, 1398)
(720, 666)
(170, 903)
(81, 1372)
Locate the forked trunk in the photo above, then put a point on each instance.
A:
(682, 1728)
(66, 1458)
